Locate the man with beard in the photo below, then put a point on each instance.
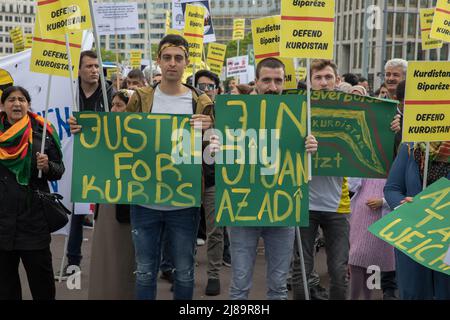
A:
(278, 241)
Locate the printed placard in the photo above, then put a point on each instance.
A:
(440, 29)
(135, 59)
(49, 55)
(427, 104)
(116, 18)
(58, 17)
(420, 229)
(16, 35)
(237, 66)
(216, 57)
(238, 29)
(426, 19)
(307, 29)
(193, 32)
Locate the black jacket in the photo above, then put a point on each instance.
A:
(22, 222)
(97, 96)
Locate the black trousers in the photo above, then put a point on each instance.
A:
(38, 266)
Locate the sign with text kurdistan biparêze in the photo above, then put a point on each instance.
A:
(355, 139)
(261, 172)
(130, 158)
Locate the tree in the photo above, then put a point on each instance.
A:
(108, 55)
(232, 46)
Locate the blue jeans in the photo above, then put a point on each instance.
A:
(181, 227)
(166, 261)
(75, 240)
(278, 243)
(416, 282)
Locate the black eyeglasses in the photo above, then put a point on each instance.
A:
(206, 86)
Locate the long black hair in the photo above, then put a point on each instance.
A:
(7, 92)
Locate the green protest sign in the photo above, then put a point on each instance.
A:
(261, 172)
(421, 229)
(136, 158)
(354, 134)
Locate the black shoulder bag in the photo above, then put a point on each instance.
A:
(55, 212)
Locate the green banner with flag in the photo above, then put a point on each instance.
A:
(421, 229)
(137, 158)
(261, 171)
(355, 139)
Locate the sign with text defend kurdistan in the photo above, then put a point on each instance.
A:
(216, 57)
(307, 29)
(238, 29)
(193, 32)
(261, 172)
(426, 115)
(421, 229)
(440, 29)
(59, 17)
(353, 133)
(134, 163)
(49, 55)
(266, 42)
(426, 18)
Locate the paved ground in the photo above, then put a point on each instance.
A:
(258, 290)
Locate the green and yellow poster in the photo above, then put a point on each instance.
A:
(152, 159)
(261, 172)
(421, 229)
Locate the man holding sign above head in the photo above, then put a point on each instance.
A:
(181, 223)
(278, 241)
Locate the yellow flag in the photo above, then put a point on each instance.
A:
(440, 28)
(216, 57)
(238, 29)
(58, 17)
(307, 29)
(426, 114)
(426, 19)
(49, 55)
(193, 31)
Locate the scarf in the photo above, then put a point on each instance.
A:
(16, 145)
(439, 160)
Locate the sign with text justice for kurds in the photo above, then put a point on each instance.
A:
(421, 229)
(440, 28)
(261, 171)
(354, 134)
(49, 55)
(427, 101)
(216, 57)
(193, 32)
(59, 17)
(426, 18)
(139, 159)
(238, 29)
(307, 29)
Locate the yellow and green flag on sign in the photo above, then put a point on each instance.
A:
(58, 17)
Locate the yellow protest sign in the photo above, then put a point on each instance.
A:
(168, 22)
(238, 29)
(58, 17)
(110, 72)
(49, 55)
(16, 35)
(28, 41)
(135, 59)
(193, 31)
(426, 114)
(426, 19)
(307, 29)
(216, 57)
(189, 70)
(174, 31)
(266, 43)
(440, 29)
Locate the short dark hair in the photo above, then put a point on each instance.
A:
(272, 63)
(175, 40)
(208, 74)
(8, 91)
(362, 79)
(87, 53)
(351, 78)
(320, 64)
(400, 91)
(136, 74)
